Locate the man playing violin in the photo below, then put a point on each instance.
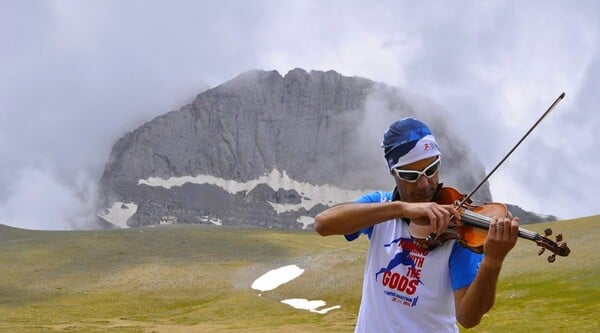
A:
(406, 287)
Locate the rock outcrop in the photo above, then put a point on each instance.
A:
(270, 151)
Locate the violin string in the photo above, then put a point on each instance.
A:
(476, 219)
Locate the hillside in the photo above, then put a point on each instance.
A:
(191, 278)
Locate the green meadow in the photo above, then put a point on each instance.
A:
(188, 278)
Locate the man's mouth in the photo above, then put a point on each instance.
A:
(423, 196)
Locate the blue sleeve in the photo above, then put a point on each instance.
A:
(464, 264)
(368, 198)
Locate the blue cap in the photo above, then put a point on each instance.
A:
(406, 141)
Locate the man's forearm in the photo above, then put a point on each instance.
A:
(479, 297)
(351, 217)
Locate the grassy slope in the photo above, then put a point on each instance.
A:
(191, 279)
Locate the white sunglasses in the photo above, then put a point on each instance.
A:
(412, 176)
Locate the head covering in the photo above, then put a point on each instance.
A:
(406, 141)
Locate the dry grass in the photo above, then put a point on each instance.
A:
(187, 278)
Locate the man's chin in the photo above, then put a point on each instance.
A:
(422, 197)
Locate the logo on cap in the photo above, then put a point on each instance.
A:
(427, 146)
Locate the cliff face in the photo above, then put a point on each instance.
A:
(271, 151)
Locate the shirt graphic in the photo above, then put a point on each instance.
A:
(399, 284)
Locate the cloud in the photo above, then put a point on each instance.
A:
(38, 199)
(75, 76)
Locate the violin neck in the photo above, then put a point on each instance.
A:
(483, 222)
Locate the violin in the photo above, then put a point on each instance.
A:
(471, 230)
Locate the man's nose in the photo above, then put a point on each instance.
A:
(422, 181)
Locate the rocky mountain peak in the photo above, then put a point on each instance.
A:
(269, 150)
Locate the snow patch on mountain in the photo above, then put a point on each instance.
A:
(311, 194)
(119, 213)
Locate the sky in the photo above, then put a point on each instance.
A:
(75, 76)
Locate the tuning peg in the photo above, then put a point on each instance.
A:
(541, 251)
(559, 237)
(548, 232)
(552, 258)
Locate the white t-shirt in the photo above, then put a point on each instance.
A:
(406, 288)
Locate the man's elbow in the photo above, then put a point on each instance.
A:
(321, 225)
(469, 322)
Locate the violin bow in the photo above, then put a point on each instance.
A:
(512, 150)
(559, 247)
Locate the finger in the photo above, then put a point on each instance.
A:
(508, 231)
(432, 220)
(500, 226)
(454, 212)
(443, 219)
(493, 227)
(451, 210)
(503, 229)
(514, 227)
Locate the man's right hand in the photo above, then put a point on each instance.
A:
(436, 215)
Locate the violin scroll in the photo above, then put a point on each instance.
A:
(558, 247)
